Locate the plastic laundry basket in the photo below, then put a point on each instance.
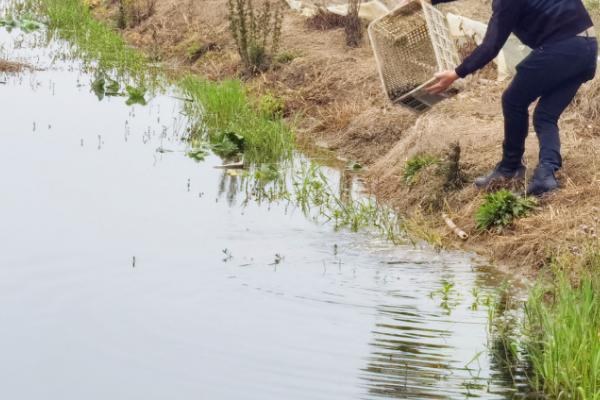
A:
(410, 44)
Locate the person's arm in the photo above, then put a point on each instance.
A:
(504, 18)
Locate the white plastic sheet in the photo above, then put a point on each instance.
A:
(511, 54)
(461, 28)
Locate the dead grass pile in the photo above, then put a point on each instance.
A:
(171, 30)
(473, 120)
(587, 105)
(324, 20)
(366, 134)
(133, 12)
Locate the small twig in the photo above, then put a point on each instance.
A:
(459, 232)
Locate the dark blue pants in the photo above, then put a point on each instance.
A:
(553, 73)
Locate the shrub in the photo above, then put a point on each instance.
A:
(353, 26)
(256, 32)
(501, 208)
(415, 164)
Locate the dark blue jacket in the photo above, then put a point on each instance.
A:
(534, 22)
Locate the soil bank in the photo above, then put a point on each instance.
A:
(335, 92)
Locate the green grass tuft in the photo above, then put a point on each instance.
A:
(223, 108)
(501, 208)
(271, 107)
(415, 164)
(563, 327)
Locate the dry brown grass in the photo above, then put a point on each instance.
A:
(563, 220)
(587, 103)
(354, 26)
(11, 66)
(324, 20)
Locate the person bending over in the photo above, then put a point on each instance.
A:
(564, 56)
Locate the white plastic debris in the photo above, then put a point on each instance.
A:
(513, 52)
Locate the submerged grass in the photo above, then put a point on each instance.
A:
(306, 187)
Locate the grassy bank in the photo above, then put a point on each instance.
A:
(91, 40)
(563, 337)
(562, 332)
(219, 111)
(224, 108)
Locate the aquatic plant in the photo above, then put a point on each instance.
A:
(313, 194)
(501, 208)
(25, 24)
(223, 112)
(505, 332)
(103, 85)
(267, 173)
(135, 95)
(198, 153)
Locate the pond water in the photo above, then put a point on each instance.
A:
(127, 272)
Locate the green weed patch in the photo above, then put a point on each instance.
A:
(501, 208)
(226, 119)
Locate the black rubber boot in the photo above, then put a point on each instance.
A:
(543, 181)
(500, 175)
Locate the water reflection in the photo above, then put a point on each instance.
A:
(415, 346)
(220, 304)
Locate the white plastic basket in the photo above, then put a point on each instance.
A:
(410, 44)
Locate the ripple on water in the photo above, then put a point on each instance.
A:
(225, 300)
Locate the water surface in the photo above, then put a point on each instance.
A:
(131, 273)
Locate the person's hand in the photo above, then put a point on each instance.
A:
(444, 80)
